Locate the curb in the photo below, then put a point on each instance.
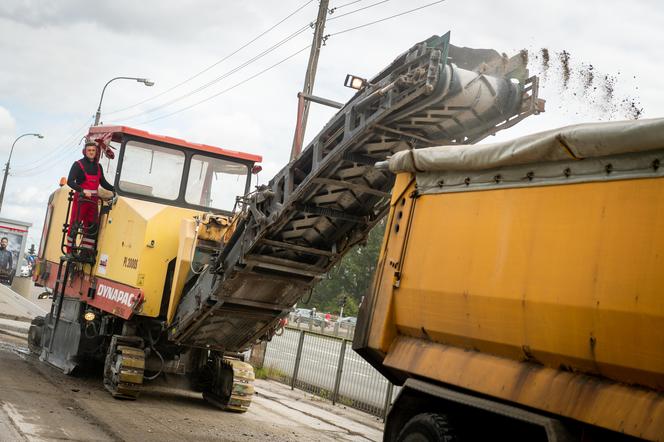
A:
(14, 334)
(14, 326)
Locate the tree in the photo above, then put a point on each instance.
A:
(352, 277)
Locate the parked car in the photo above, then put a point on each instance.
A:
(26, 271)
(306, 316)
(348, 320)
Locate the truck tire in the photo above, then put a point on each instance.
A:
(427, 427)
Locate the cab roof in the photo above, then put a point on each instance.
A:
(106, 130)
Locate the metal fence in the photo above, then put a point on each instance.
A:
(334, 329)
(319, 325)
(328, 367)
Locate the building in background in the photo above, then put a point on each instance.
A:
(16, 233)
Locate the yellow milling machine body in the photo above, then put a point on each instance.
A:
(137, 242)
(526, 275)
(171, 212)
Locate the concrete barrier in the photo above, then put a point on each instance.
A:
(22, 286)
(15, 307)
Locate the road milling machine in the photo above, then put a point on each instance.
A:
(191, 266)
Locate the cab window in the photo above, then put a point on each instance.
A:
(214, 183)
(151, 170)
(110, 165)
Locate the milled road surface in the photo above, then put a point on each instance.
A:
(39, 403)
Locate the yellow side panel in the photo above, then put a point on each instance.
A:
(121, 242)
(137, 241)
(140, 238)
(52, 251)
(382, 327)
(567, 276)
(182, 265)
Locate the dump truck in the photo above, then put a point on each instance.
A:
(191, 266)
(518, 294)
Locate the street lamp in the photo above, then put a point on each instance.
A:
(4, 179)
(145, 81)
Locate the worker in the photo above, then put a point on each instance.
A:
(85, 177)
(6, 260)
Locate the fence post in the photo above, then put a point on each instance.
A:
(298, 356)
(257, 357)
(340, 369)
(388, 399)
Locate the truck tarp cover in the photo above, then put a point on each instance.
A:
(577, 142)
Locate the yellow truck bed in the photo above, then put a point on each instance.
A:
(522, 270)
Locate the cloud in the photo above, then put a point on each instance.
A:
(164, 20)
(7, 129)
(30, 196)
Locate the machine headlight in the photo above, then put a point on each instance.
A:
(354, 82)
(89, 316)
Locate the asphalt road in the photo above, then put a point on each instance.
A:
(39, 403)
(320, 356)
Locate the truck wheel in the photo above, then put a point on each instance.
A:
(427, 427)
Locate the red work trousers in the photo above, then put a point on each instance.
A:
(84, 214)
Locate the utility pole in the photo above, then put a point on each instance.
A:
(303, 105)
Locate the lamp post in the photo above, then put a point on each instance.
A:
(145, 81)
(4, 179)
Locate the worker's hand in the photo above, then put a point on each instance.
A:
(87, 193)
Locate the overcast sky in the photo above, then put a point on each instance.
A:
(57, 55)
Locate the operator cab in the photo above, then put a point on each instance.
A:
(173, 171)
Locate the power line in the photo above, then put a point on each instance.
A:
(246, 63)
(243, 65)
(357, 10)
(298, 9)
(223, 76)
(343, 31)
(60, 148)
(229, 88)
(344, 5)
(43, 168)
(384, 19)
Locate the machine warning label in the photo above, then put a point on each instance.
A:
(103, 262)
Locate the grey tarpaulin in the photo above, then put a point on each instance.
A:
(577, 142)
